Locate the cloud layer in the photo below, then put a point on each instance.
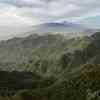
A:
(37, 11)
(18, 14)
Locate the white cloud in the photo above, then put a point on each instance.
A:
(17, 14)
(12, 22)
(12, 16)
(48, 10)
(60, 9)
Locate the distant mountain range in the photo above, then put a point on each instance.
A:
(70, 30)
(59, 27)
(66, 28)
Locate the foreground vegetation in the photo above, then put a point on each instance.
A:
(83, 84)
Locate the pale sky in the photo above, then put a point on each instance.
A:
(17, 15)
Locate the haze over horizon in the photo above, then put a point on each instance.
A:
(18, 15)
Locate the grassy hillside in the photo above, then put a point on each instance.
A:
(21, 51)
(60, 69)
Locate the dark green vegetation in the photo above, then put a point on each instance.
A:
(50, 67)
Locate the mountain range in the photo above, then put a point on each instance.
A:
(60, 27)
(22, 50)
(62, 68)
(67, 28)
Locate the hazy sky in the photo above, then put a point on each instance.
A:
(19, 14)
